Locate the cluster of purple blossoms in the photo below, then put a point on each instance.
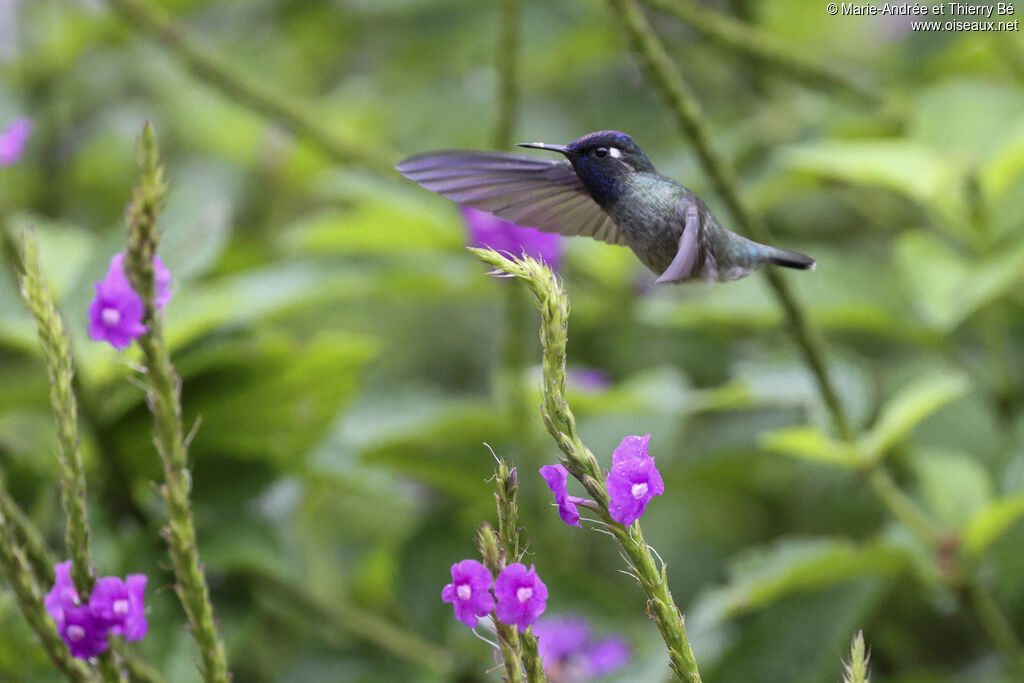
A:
(13, 139)
(115, 607)
(490, 231)
(632, 482)
(571, 655)
(115, 315)
(518, 598)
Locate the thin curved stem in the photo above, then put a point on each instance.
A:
(681, 101)
(553, 304)
(163, 396)
(766, 48)
(507, 63)
(16, 567)
(253, 93)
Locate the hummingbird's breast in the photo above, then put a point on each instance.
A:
(648, 215)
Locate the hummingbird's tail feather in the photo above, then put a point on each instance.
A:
(790, 259)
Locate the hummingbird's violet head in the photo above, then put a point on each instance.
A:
(603, 161)
(609, 150)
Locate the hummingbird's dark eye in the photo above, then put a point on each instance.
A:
(601, 152)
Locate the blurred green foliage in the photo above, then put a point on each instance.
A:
(344, 353)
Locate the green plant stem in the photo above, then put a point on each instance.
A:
(164, 398)
(902, 507)
(508, 641)
(138, 668)
(998, 628)
(857, 669)
(666, 76)
(769, 51)
(27, 591)
(506, 481)
(681, 100)
(60, 367)
(506, 484)
(506, 62)
(27, 536)
(995, 624)
(492, 550)
(250, 91)
(553, 304)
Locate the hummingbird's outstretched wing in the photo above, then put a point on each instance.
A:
(530, 191)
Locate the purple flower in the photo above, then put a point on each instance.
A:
(486, 230)
(522, 596)
(162, 277)
(605, 656)
(556, 477)
(13, 139)
(119, 605)
(84, 634)
(115, 606)
(560, 637)
(570, 656)
(469, 591)
(633, 480)
(115, 315)
(63, 595)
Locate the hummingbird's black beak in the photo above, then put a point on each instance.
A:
(551, 148)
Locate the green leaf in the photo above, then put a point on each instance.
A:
(447, 451)
(762, 576)
(196, 223)
(954, 485)
(947, 289)
(243, 298)
(266, 398)
(966, 118)
(905, 166)
(907, 408)
(64, 250)
(374, 228)
(991, 521)
(810, 443)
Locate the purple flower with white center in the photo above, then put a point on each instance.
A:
(84, 634)
(13, 139)
(115, 315)
(522, 596)
(119, 605)
(571, 656)
(115, 606)
(490, 231)
(633, 480)
(556, 476)
(469, 592)
(161, 277)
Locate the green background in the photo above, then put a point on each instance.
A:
(349, 359)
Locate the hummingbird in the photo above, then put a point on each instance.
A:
(605, 188)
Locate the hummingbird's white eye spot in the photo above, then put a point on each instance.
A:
(601, 152)
(614, 151)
